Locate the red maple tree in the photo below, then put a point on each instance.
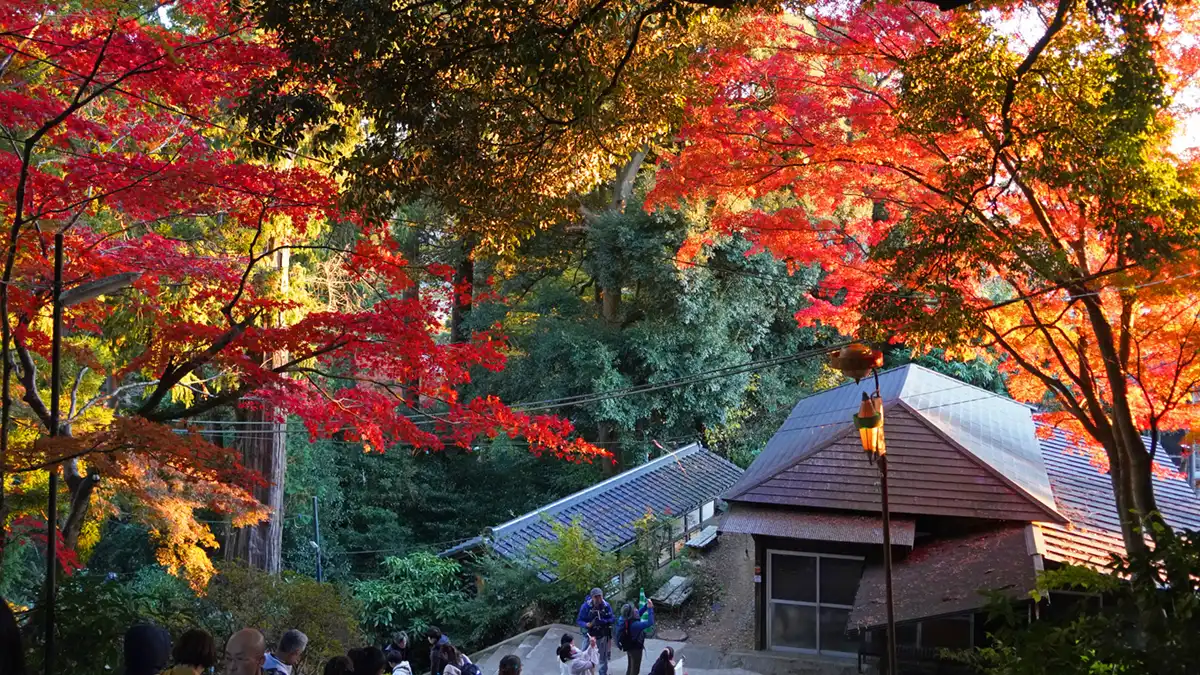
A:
(116, 130)
(962, 187)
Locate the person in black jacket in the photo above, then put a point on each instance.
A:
(436, 640)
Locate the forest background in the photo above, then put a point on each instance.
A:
(532, 262)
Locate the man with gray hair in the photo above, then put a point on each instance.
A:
(287, 654)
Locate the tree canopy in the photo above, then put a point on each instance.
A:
(121, 138)
(960, 188)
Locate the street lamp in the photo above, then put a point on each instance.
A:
(857, 361)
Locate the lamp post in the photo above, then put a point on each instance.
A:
(857, 361)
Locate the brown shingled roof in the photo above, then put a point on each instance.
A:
(929, 474)
(946, 576)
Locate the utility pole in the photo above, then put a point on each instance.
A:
(317, 538)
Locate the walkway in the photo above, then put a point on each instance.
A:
(537, 651)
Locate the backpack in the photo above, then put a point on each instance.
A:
(469, 669)
(625, 640)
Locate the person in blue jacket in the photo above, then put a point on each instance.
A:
(597, 618)
(631, 634)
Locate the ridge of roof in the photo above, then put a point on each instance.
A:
(989, 427)
(586, 493)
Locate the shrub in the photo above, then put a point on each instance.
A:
(511, 599)
(415, 591)
(574, 559)
(244, 597)
(92, 614)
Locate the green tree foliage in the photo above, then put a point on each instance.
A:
(510, 599)
(499, 109)
(574, 559)
(95, 609)
(982, 373)
(373, 506)
(678, 316)
(244, 596)
(1144, 626)
(653, 533)
(416, 591)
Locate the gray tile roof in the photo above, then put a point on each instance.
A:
(994, 430)
(1084, 494)
(673, 484)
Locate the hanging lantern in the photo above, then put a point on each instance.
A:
(856, 360)
(869, 422)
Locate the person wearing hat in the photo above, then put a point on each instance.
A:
(597, 618)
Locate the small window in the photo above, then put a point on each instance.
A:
(708, 511)
(693, 520)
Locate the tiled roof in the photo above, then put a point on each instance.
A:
(1084, 495)
(945, 577)
(953, 450)
(674, 484)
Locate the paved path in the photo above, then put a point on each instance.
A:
(537, 652)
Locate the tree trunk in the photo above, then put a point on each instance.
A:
(464, 290)
(264, 449)
(607, 434)
(263, 442)
(1130, 464)
(80, 486)
(607, 437)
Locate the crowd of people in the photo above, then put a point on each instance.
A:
(597, 620)
(149, 650)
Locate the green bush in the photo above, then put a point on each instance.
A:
(511, 599)
(244, 597)
(653, 534)
(415, 592)
(93, 613)
(574, 559)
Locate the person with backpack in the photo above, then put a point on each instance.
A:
(631, 634)
(596, 618)
(436, 641)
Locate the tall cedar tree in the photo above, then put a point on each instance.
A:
(933, 166)
(116, 132)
